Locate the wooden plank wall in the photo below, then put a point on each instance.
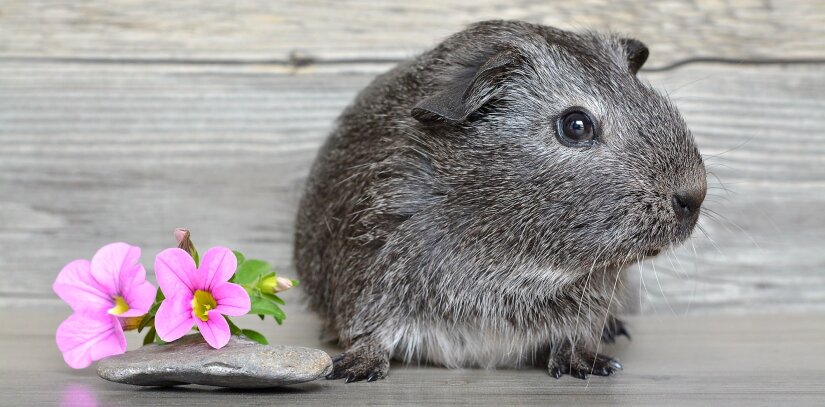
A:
(120, 120)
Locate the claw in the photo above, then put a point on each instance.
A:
(581, 364)
(613, 330)
(623, 331)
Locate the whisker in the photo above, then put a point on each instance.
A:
(581, 300)
(641, 271)
(691, 83)
(734, 148)
(662, 290)
(712, 164)
(712, 242)
(695, 281)
(681, 267)
(710, 213)
(604, 323)
(721, 184)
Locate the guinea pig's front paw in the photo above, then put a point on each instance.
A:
(581, 364)
(360, 363)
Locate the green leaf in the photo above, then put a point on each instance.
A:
(195, 256)
(274, 298)
(263, 306)
(232, 327)
(159, 297)
(159, 341)
(149, 318)
(250, 270)
(255, 336)
(294, 282)
(150, 336)
(146, 321)
(239, 256)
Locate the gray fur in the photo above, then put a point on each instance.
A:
(444, 222)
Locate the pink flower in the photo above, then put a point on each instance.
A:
(112, 286)
(198, 296)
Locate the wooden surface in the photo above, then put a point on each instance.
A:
(93, 153)
(299, 32)
(710, 360)
(120, 120)
(672, 361)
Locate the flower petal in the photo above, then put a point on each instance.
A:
(218, 265)
(215, 330)
(174, 317)
(139, 298)
(108, 262)
(77, 287)
(86, 337)
(174, 269)
(232, 299)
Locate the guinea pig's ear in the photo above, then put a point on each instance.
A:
(636, 52)
(470, 89)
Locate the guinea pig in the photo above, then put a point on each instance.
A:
(475, 206)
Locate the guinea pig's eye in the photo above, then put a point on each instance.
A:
(576, 129)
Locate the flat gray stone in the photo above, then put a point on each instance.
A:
(242, 363)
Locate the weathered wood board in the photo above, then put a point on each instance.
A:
(91, 153)
(122, 119)
(295, 32)
(672, 361)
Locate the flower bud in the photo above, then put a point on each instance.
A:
(283, 284)
(181, 235)
(274, 284)
(185, 244)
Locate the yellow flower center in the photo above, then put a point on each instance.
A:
(202, 303)
(120, 306)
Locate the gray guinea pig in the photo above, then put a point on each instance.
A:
(475, 206)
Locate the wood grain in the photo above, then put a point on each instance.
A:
(122, 119)
(92, 153)
(297, 32)
(673, 361)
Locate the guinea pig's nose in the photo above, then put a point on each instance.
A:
(686, 203)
